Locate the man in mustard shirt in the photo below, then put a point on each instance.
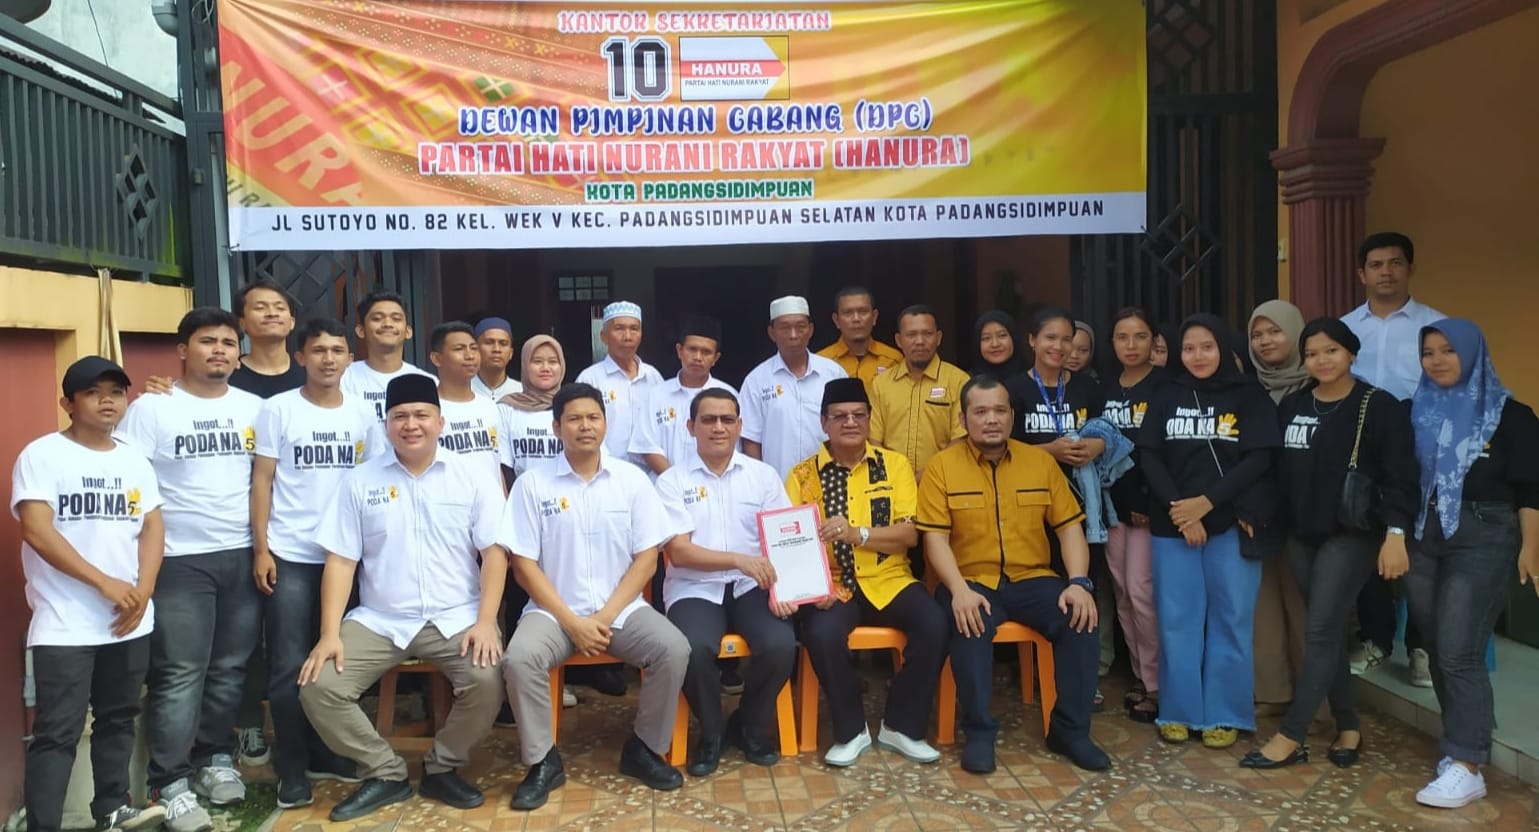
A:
(916, 407)
(860, 355)
(866, 496)
(985, 506)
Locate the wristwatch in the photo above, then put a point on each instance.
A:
(1084, 583)
(865, 535)
(1395, 530)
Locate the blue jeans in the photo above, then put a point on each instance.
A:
(293, 627)
(1076, 656)
(1205, 600)
(208, 617)
(1454, 591)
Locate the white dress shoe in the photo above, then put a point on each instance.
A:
(846, 753)
(917, 750)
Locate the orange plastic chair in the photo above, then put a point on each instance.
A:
(1029, 641)
(861, 638)
(440, 699)
(732, 647)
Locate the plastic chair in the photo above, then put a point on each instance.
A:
(440, 699)
(733, 646)
(1029, 641)
(861, 638)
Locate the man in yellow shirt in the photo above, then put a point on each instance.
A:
(860, 355)
(916, 408)
(866, 496)
(985, 506)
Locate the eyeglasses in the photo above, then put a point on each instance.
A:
(857, 416)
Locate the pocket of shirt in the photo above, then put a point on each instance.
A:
(1035, 503)
(447, 514)
(965, 502)
(615, 524)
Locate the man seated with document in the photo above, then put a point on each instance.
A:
(719, 581)
(867, 497)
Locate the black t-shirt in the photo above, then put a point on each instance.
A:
(1507, 470)
(1199, 439)
(1034, 422)
(266, 386)
(1125, 408)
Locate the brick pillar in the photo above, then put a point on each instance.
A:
(1325, 186)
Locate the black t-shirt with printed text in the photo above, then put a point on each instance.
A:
(1125, 408)
(1034, 423)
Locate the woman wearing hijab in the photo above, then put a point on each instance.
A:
(1479, 453)
(528, 437)
(1207, 442)
(1333, 424)
(1164, 335)
(1082, 356)
(1273, 335)
(994, 335)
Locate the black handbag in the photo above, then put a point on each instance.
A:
(1359, 493)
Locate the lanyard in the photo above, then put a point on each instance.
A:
(1057, 413)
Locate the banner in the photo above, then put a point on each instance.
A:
(427, 124)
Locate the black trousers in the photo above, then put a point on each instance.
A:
(106, 679)
(826, 633)
(1330, 574)
(772, 654)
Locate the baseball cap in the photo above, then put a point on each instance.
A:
(83, 374)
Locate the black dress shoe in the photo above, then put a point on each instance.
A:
(640, 762)
(1256, 759)
(706, 758)
(543, 778)
(373, 794)
(448, 787)
(1082, 752)
(758, 752)
(1345, 757)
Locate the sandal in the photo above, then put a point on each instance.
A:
(1146, 711)
(1135, 695)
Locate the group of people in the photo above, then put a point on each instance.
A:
(327, 519)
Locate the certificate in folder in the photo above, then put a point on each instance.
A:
(789, 537)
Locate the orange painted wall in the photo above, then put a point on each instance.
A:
(1458, 175)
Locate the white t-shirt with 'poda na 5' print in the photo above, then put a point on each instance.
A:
(315, 447)
(471, 430)
(201, 449)
(99, 500)
(361, 381)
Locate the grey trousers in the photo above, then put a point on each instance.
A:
(331, 704)
(648, 640)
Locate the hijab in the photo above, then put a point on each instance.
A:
(1454, 424)
(1089, 368)
(530, 400)
(1012, 366)
(1227, 376)
(1291, 376)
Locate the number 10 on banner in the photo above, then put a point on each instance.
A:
(640, 69)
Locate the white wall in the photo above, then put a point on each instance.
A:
(135, 46)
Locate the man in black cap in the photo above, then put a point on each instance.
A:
(867, 496)
(418, 519)
(92, 539)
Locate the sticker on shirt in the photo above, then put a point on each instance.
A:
(937, 392)
(1300, 433)
(380, 495)
(665, 416)
(214, 438)
(1202, 424)
(1040, 419)
(1126, 415)
(695, 494)
(614, 395)
(468, 436)
(328, 449)
(551, 508)
(773, 391)
(99, 498)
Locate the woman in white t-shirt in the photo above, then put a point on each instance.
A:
(526, 415)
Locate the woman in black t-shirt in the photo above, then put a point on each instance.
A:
(1128, 559)
(1206, 443)
(994, 336)
(1326, 426)
(1479, 453)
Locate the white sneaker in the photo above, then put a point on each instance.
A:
(917, 750)
(568, 699)
(1421, 669)
(1456, 786)
(183, 813)
(1365, 657)
(846, 753)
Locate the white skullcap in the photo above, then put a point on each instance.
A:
(789, 305)
(621, 309)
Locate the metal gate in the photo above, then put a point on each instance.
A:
(1212, 210)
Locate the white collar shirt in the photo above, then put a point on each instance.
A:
(1391, 353)
(583, 534)
(623, 397)
(417, 540)
(719, 513)
(662, 426)
(509, 386)
(783, 413)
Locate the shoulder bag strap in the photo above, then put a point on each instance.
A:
(1357, 441)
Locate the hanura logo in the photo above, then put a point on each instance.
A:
(937, 392)
(794, 527)
(133, 502)
(1226, 428)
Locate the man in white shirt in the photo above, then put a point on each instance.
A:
(718, 581)
(307, 441)
(584, 536)
(494, 340)
(622, 378)
(200, 439)
(1389, 325)
(782, 397)
(470, 420)
(383, 328)
(91, 548)
(418, 520)
(661, 438)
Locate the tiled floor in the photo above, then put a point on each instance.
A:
(1150, 786)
